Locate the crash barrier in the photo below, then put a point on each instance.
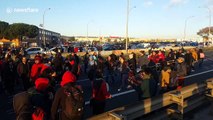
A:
(173, 104)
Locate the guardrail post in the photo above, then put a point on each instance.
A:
(210, 87)
(177, 98)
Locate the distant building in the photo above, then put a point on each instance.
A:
(51, 39)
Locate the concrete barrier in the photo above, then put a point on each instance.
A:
(180, 102)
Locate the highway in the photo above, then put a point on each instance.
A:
(119, 98)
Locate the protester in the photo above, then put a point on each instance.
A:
(124, 70)
(9, 75)
(65, 97)
(23, 70)
(99, 94)
(181, 71)
(201, 56)
(148, 84)
(36, 68)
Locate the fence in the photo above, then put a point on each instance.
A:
(172, 104)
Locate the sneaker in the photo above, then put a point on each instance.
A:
(193, 70)
(129, 86)
(119, 90)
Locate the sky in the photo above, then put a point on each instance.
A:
(147, 18)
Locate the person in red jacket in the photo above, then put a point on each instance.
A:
(99, 94)
(36, 69)
(154, 57)
(161, 56)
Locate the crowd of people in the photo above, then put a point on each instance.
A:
(49, 83)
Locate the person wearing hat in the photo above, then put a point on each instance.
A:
(36, 68)
(27, 102)
(181, 71)
(142, 59)
(68, 82)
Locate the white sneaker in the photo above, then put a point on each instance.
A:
(129, 86)
(119, 90)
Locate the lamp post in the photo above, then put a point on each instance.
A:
(210, 17)
(186, 26)
(88, 28)
(44, 39)
(127, 24)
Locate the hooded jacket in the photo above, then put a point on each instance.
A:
(165, 77)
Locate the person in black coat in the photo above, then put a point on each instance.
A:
(58, 106)
(9, 72)
(23, 70)
(132, 62)
(188, 60)
(25, 103)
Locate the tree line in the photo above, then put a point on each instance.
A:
(17, 30)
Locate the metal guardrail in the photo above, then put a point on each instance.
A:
(178, 102)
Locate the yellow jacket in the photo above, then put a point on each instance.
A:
(194, 55)
(165, 77)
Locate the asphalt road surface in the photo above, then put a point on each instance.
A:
(119, 99)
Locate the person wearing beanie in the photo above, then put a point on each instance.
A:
(36, 69)
(40, 97)
(67, 84)
(181, 71)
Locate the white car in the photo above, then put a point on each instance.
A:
(34, 50)
(51, 51)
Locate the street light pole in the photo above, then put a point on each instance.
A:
(209, 20)
(88, 29)
(186, 26)
(44, 39)
(127, 25)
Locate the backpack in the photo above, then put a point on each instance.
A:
(74, 102)
(202, 55)
(37, 112)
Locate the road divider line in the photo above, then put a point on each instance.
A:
(199, 73)
(116, 95)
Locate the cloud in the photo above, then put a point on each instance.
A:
(148, 3)
(174, 3)
(209, 2)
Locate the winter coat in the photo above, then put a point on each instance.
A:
(188, 59)
(36, 71)
(165, 77)
(181, 69)
(148, 86)
(59, 105)
(58, 64)
(23, 69)
(143, 60)
(132, 64)
(99, 90)
(22, 106)
(194, 55)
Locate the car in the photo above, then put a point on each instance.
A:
(34, 50)
(90, 49)
(51, 51)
